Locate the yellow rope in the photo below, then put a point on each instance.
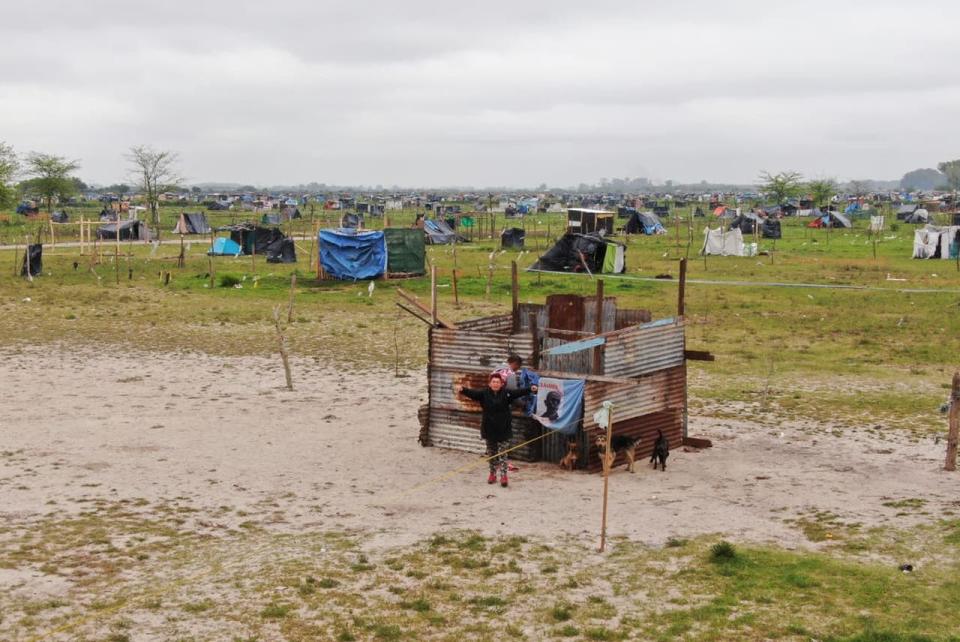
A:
(465, 467)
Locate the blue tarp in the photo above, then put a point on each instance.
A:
(223, 246)
(351, 254)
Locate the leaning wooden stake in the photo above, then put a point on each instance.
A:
(607, 460)
(456, 295)
(954, 433)
(681, 304)
(293, 291)
(282, 343)
(514, 297)
(433, 295)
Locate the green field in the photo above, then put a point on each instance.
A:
(880, 355)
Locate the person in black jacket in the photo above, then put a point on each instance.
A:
(495, 426)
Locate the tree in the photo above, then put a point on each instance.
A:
(951, 169)
(9, 166)
(859, 188)
(780, 186)
(155, 173)
(51, 176)
(821, 191)
(922, 179)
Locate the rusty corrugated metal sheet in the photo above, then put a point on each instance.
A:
(590, 314)
(500, 323)
(643, 349)
(475, 351)
(657, 392)
(460, 430)
(627, 318)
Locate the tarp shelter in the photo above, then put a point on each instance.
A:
(589, 221)
(512, 237)
(770, 229)
(353, 254)
(351, 220)
(192, 224)
(720, 243)
(582, 252)
(406, 250)
(906, 210)
(919, 217)
(59, 217)
(829, 219)
(746, 222)
(223, 246)
(270, 219)
(644, 223)
(932, 242)
(268, 241)
(439, 232)
(32, 261)
(129, 231)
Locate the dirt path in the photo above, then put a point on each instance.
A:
(203, 432)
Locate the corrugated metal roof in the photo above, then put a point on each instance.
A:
(474, 351)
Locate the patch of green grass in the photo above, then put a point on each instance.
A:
(276, 611)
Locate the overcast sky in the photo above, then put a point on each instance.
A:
(435, 93)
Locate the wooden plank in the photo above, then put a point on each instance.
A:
(412, 300)
(514, 296)
(697, 442)
(698, 355)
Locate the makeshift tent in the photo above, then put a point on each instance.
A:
(721, 243)
(223, 246)
(440, 233)
(906, 210)
(27, 208)
(270, 219)
(129, 231)
(644, 223)
(268, 241)
(32, 261)
(406, 250)
(283, 251)
(351, 220)
(583, 252)
(919, 217)
(746, 222)
(192, 224)
(698, 212)
(353, 254)
(512, 237)
(876, 224)
(770, 229)
(626, 212)
(934, 242)
(59, 217)
(829, 219)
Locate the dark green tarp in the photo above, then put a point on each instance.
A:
(406, 251)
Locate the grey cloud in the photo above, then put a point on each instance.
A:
(426, 92)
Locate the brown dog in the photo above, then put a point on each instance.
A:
(621, 444)
(569, 461)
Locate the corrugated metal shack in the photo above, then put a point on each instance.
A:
(641, 367)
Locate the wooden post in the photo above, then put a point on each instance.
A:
(180, 259)
(598, 329)
(313, 240)
(456, 295)
(282, 343)
(606, 460)
(683, 286)
(433, 294)
(293, 290)
(213, 274)
(116, 249)
(514, 297)
(534, 331)
(954, 433)
(53, 237)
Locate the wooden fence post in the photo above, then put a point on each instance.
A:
(954, 433)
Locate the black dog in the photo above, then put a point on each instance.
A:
(661, 450)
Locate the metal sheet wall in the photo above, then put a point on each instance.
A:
(475, 351)
(641, 350)
(645, 428)
(657, 392)
(500, 323)
(577, 362)
(460, 430)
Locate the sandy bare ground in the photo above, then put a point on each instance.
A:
(340, 452)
